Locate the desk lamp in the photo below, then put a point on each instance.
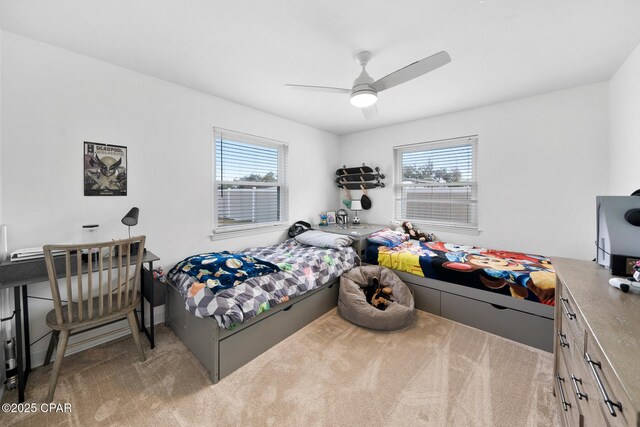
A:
(356, 206)
(131, 219)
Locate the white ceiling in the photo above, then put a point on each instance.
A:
(245, 51)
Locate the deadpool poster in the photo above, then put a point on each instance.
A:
(105, 169)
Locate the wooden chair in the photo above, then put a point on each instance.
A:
(91, 302)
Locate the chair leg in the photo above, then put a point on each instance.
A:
(62, 346)
(53, 341)
(133, 324)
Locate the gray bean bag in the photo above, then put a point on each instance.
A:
(354, 307)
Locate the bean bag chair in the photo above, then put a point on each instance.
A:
(353, 306)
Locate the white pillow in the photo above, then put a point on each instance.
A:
(323, 239)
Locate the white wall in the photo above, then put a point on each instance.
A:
(1, 72)
(541, 162)
(624, 140)
(53, 100)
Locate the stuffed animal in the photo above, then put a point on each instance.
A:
(378, 296)
(397, 226)
(417, 234)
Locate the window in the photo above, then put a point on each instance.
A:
(250, 182)
(436, 184)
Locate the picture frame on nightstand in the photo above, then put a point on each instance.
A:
(331, 217)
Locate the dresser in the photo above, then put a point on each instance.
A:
(596, 347)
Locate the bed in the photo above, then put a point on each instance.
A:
(507, 293)
(226, 327)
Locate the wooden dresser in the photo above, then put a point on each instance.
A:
(596, 348)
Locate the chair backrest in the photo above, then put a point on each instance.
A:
(118, 278)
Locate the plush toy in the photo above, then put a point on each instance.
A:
(378, 296)
(397, 226)
(417, 234)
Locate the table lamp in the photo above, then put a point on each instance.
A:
(356, 206)
(131, 219)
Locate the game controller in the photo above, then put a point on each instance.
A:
(623, 284)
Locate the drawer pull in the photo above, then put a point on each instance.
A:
(498, 307)
(610, 403)
(288, 308)
(575, 382)
(565, 405)
(562, 338)
(565, 306)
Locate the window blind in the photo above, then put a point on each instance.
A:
(250, 181)
(437, 184)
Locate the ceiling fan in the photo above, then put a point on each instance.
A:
(364, 93)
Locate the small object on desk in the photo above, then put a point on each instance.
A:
(29, 253)
(623, 284)
(158, 274)
(342, 217)
(331, 217)
(323, 220)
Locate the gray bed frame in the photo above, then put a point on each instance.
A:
(524, 321)
(222, 351)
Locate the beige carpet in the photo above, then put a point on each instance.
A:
(434, 373)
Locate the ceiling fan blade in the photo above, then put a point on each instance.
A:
(320, 88)
(370, 113)
(412, 71)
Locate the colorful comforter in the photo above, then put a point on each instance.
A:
(523, 276)
(302, 268)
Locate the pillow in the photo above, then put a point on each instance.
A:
(323, 239)
(387, 237)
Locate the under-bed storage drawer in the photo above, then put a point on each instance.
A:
(426, 299)
(239, 348)
(526, 328)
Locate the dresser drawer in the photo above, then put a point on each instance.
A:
(566, 398)
(572, 324)
(603, 383)
(582, 385)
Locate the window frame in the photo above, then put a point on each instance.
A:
(398, 151)
(282, 182)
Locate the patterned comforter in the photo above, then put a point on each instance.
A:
(523, 276)
(303, 268)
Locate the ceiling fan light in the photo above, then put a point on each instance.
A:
(363, 98)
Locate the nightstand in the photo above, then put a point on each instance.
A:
(358, 232)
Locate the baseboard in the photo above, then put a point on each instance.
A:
(96, 337)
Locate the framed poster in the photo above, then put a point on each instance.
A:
(331, 217)
(105, 169)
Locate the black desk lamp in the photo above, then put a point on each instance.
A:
(131, 219)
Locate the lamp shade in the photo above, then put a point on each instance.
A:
(363, 98)
(131, 218)
(356, 205)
